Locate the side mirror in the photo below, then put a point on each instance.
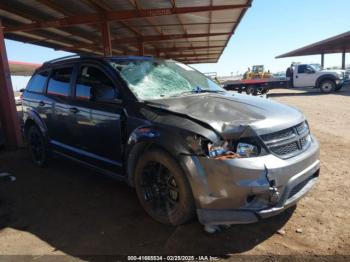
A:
(309, 71)
(21, 90)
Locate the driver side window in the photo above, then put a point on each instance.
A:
(301, 69)
(94, 84)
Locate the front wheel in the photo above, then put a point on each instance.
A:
(162, 188)
(37, 146)
(327, 86)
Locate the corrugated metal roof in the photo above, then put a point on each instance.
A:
(191, 31)
(336, 44)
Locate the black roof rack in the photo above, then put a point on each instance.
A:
(70, 57)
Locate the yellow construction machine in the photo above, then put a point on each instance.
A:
(257, 72)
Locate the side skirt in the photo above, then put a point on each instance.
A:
(111, 174)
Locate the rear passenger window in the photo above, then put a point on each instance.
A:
(37, 82)
(59, 83)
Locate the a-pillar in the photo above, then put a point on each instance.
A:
(8, 113)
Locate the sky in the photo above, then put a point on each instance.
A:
(269, 28)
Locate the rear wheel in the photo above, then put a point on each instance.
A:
(37, 146)
(327, 86)
(163, 189)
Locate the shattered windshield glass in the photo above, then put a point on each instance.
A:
(156, 79)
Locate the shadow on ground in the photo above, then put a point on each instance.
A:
(81, 213)
(345, 91)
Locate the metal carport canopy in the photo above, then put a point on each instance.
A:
(190, 31)
(337, 44)
(187, 30)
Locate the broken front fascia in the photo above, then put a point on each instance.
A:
(256, 180)
(241, 190)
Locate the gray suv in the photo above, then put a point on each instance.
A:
(189, 147)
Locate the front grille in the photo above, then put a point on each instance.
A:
(300, 186)
(288, 142)
(347, 75)
(285, 149)
(305, 141)
(278, 135)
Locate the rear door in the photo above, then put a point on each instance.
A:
(97, 117)
(57, 107)
(34, 97)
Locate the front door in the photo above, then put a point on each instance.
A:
(97, 118)
(305, 76)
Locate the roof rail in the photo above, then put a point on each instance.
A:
(68, 57)
(61, 58)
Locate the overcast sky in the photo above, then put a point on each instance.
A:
(269, 28)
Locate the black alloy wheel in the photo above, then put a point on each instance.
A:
(163, 189)
(159, 188)
(37, 146)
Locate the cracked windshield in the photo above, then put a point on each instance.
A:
(157, 79)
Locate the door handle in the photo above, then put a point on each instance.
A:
(74, 110)
(296, 76)
(41, 103)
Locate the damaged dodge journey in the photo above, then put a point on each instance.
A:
(187, 146)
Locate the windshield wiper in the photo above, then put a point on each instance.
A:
(199, 90)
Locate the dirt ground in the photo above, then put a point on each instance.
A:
(68, 209)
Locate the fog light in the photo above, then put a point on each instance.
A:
(274, 195)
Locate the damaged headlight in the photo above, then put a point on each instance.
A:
(229, 150)
(219, 150)
(247, 150)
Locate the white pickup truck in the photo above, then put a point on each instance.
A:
(312, 75)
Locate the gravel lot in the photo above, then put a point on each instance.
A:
(67, 209)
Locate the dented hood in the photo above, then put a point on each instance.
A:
(230, 114)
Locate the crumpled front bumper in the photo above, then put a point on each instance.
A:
(240, 191)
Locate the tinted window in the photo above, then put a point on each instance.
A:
(301, 69)
(59, 83)
(37, 82)
(92, 78)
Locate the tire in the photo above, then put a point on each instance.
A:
(37, 146)
(250, 90)
(327, 86)
(163, 189)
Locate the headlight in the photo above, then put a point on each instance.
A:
(247, 150)
(340, 75)
(218, 150)
(226, 150)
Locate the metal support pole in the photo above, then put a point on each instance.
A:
(8, 112)
(106, 38)
(322, 60)
(343, 60)
(141, 48)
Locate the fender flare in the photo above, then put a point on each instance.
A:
(32, 116)
(143, 138)
(324, 77)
